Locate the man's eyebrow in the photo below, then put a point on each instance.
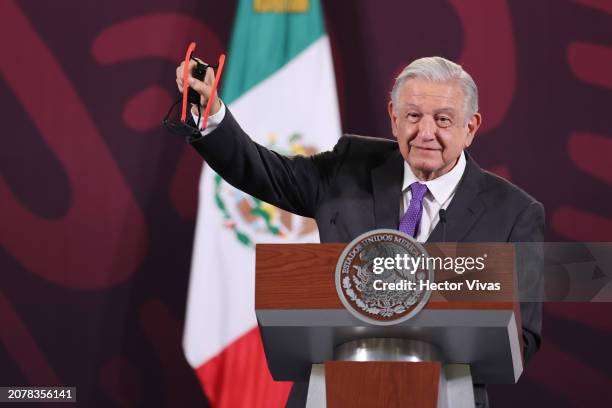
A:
(446, 110)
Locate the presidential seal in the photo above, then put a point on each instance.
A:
(381, 279)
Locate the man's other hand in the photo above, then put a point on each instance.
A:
(203, 88)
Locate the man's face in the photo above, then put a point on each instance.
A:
(430, 126)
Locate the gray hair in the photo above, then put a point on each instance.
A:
(439, 69)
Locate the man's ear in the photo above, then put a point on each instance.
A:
(392, 118)
(472, 126)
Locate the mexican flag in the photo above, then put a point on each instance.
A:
(279, 84)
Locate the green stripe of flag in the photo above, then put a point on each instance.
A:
(262, 42)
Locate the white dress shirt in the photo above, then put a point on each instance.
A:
(213, 120)
(440, 192)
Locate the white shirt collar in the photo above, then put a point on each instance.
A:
(442, 187)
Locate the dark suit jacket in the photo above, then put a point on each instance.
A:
(356, 188)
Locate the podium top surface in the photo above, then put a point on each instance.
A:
(301, 276)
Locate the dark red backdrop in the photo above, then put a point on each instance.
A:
(97, 202)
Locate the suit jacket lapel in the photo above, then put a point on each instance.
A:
(465, 208)
(387, 189)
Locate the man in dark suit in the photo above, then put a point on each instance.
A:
(366, 183)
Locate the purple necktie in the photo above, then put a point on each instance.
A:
(411, 219)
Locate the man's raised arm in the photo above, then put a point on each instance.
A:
(295, 183)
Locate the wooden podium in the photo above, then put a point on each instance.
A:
(430, 360)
